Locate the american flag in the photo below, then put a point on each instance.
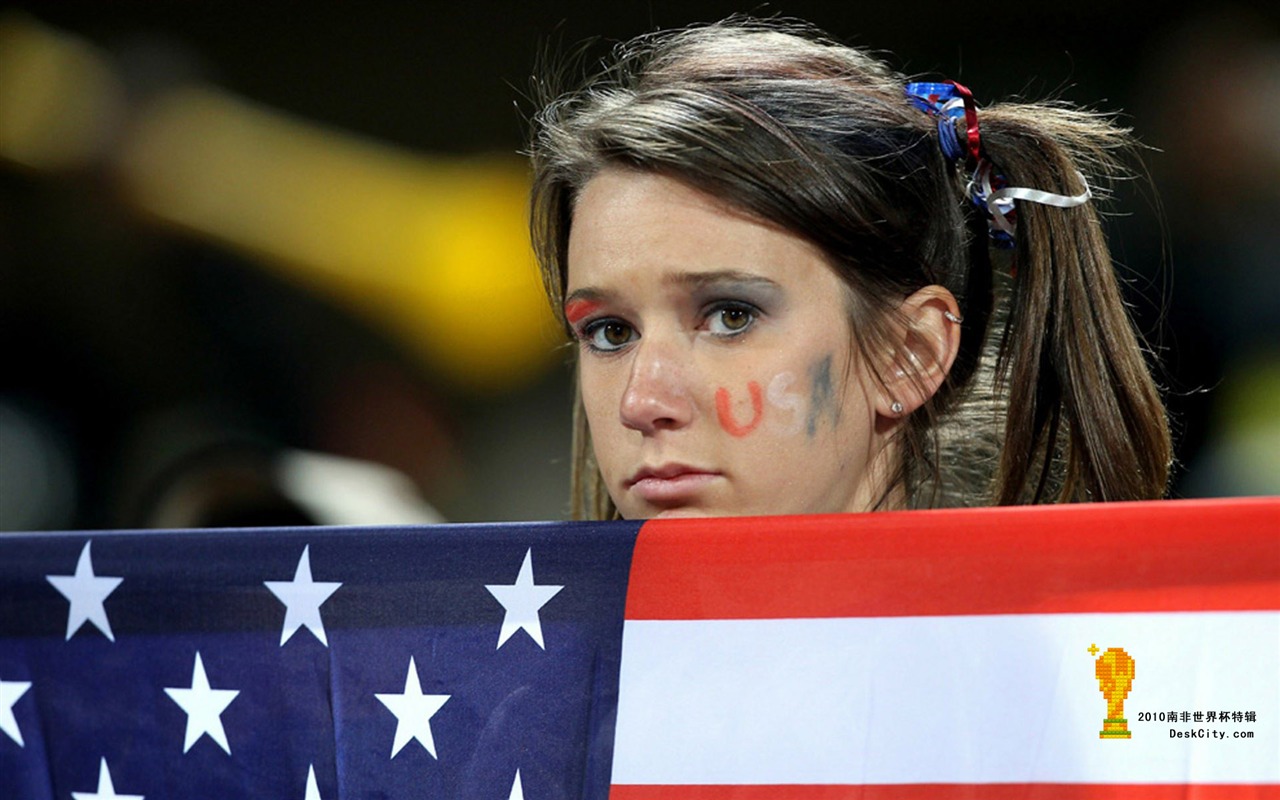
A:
(913, 654)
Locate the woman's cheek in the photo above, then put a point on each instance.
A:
(777, 407)
(732, 417)
(785, 404)
(803, 405)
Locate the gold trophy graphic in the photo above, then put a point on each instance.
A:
(1114, 671)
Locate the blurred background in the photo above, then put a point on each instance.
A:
(268, 263)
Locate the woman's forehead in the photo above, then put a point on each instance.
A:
(677, 235)
(621, 189)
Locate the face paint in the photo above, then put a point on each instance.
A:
(576, 310)
(781, 398)
(724, 410)
(668, 265)
(822, 400)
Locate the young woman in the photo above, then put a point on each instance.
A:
(801, 284)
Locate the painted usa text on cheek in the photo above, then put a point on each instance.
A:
(780, 396)
(724, 410)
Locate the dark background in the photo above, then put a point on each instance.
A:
(146, 362)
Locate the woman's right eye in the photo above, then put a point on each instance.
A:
(608, 335)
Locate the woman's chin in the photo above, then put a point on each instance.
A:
(682, 512)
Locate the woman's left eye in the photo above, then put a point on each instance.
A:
(731, 319)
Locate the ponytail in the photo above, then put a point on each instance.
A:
(1069, 361)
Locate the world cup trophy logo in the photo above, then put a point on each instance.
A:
(1114, 670)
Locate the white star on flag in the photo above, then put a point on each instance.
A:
(86, 592)
(302, 598)
(413, 711)
(313, 789)
(204, 707)
(106, 789)
(522, 600)
(517, 791)
(10, 691)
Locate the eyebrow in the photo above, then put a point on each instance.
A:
(690, 280)
(702, 280)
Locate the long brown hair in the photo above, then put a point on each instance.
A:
(1049, 399)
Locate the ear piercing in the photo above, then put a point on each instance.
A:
(896, 408)
(952, 317)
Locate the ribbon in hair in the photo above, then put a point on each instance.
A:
(987, 188)
(949, 102)
(990, 191)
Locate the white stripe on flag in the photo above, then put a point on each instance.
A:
(965, 699)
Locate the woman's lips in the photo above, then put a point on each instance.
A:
(670, 484)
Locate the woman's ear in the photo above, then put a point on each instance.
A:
(927, 340)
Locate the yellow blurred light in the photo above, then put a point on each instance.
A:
(1247, 422)
(435, 249)
(59, 99)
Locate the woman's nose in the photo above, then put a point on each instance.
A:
(657, 395)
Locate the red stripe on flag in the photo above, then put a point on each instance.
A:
(960, 791)
(1116, 557)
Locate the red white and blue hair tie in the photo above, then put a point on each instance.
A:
(987, 188)
(990, 191)
(950, 102)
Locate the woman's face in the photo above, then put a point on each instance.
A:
(717, 366)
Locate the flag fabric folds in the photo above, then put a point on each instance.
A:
(1122, 650)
